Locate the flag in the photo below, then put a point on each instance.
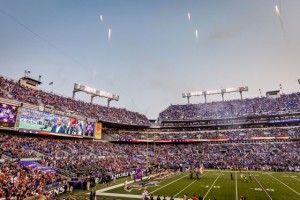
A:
(138, 175)
(51, 83)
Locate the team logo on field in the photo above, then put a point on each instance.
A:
(139, 186)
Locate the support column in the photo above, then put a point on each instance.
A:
(92, 98)
(74, 91)
(108, 102)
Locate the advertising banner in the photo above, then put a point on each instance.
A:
(98, 134)
(89, 128)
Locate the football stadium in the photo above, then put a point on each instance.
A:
(169, 131)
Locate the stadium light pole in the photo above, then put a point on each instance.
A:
(154, 148)
(260, 92)
(222, 93)
(187, 96)
(147, 150)
(108, 102)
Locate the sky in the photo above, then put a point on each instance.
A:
(152, 55)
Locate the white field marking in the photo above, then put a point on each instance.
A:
(270, 189)
(296, 178)
(262, 187)
(258, 189)
(216, 186)
(212, 185)
(131, 196)
(236, 187)
(168, 184)
(116, 186)
(187, 186)
(204, 186)
(262, 172)
(285, 185)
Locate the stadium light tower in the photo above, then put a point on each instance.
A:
(27, 73)
(213, 92)
(94, 93)
(186, 95)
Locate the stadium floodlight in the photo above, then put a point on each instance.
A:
(214, 92)
(94, 93)
(186, 95)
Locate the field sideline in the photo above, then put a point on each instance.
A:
(214, 185)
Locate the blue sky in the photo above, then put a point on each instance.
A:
(153, 55)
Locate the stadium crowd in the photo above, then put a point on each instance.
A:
(122, 135)
(233, 108)
(82, 158)
(18, 181)
(13, 90)
(85, 158)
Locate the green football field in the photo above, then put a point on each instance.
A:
(29, 126)
(214, 185)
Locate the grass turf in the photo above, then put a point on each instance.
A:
(30, 126)
(217, 185)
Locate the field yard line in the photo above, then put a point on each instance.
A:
(262, 187)
(285, 185)
(185, 188)
(188, 185)
(295, 178)
(236, 187)
(168, 184)
(212, 185)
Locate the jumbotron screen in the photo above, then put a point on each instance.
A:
(89, 129)
(8, 115)
(43, 121)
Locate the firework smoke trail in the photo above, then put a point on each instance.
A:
(109, 34)
(189, 16)
(278, 13)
